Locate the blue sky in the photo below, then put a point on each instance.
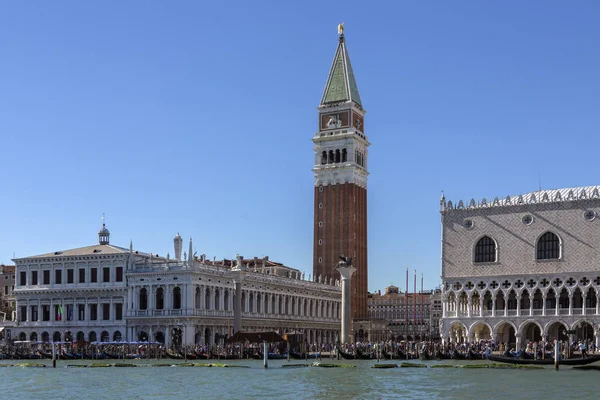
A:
(197, 117)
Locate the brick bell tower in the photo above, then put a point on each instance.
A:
(341, 154)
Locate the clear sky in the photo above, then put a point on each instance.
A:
(197, 117)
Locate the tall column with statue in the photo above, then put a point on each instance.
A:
(239, 271)
(346, 270)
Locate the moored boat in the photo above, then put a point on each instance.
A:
(548, 361)
(346, 356)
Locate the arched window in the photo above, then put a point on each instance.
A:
(197, 298)
(485, 250)
(160, 299)
(177, 298)
(548, 247)
(324, 157)
(330, 157)
(207, 299)
(344, 155)
(337, 156)
(143, 299)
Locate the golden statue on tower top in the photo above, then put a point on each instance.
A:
(341, 29)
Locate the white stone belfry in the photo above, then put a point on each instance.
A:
(346, 272)
(103, 234)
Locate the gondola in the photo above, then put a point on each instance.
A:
(386, 355)
(204, 356)
(111, 355)
(365, 356)
(215, 356)
(301, 356)
(443, 356)
(173, 355)
(188, 355)
(549, 361)
(271, 356)
(473, 355)
(346, 356)
(455, 355)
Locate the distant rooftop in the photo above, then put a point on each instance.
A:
(6, 269)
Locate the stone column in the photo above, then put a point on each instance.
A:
(544, 304)
(189, 335)
(168, 299)
(518, 341)
(583, 298)
(494, 307)
(570, 304)
(518, 306)
(132, 293)
(469, 306)
(222, 298)
(238, 273)
(151, 299)
(189, 298)
(346, 272)
(530, 305)
(444, 307)
(557, 298)
(481, 306)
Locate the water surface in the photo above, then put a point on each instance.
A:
(300, 383)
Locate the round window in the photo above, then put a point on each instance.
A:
(589, 215)
(468, 223)
(527, 219)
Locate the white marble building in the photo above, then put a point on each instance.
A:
(73, 295)
(190, 301)
(522, 268)
(109, 293)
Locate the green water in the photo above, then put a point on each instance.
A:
(361, 382)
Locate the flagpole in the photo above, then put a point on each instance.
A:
(415, 302)
(407, 311)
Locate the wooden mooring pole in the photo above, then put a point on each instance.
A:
(556, 354)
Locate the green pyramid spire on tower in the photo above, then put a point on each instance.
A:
(341, 85)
